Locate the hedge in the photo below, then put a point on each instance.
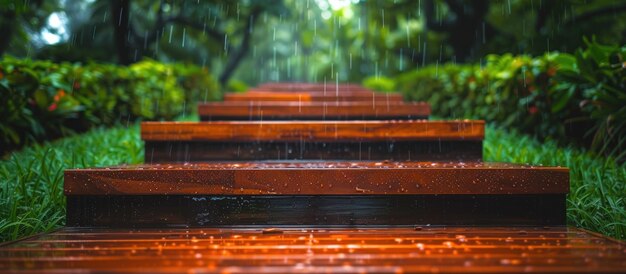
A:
(43, 100)
(573, 98)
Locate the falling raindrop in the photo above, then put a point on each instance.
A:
(171, 31)
(184, 36)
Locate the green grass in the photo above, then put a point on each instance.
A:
(31, 181)
(597, 199)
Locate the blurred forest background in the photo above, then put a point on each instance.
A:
(302, 40)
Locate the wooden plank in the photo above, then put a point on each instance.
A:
(313, 140)
(331, 131)
(364, 250)
(315, 91)
(311, 86)
(318, 178)
(278, 96)
(267, 96)
(241, 111)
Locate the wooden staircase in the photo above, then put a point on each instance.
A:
(296, 177)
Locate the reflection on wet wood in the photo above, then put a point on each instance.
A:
(318, 178)
(375, 250)
(358, 131)
(313, 97)
(130, 211)
(347, 150)
(312, 111)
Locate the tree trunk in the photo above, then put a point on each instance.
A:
(235, 59)
(6, 30)
(120, 10)
(463, 34)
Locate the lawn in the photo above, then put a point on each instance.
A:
(597, 198)
(31, 181)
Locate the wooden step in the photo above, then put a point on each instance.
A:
(316, 97)
(316, 250)
(310, 86)
(316, 193)
(416, 140)
(333, 91)
(242, 111)
(317, 178)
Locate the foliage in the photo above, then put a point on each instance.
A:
(596, 200)
(380, 83)
(20, 21)
(31, 180)
(295, 40)
(577, 98)
(598, 75)
(236, 86)
(46, 100)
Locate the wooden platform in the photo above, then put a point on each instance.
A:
(313, 97)
(306, 249)
(242, 111)
(316, 193)
(414, 140)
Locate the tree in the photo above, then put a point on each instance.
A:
(466, 27)
(20, 19)
(223, 22)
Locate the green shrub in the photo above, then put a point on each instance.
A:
(45, 100)
(595, 81)
(236, 86)
(380, 83)
(577, 98)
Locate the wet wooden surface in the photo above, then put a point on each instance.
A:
(317, 91)
(329, 87)
(317, 178)
(314, 130)
(309, 111)
(305, 249)
(313, 97)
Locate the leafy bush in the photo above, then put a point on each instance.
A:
(380, 83)
(44, 100)
(577, 98)
(595, 81)
(236, 86)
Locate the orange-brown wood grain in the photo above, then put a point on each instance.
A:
(319, 110)
(315, 97)
(318, 178)
(311, 86)
(314, 130)
(333, 91)
(363, 250)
